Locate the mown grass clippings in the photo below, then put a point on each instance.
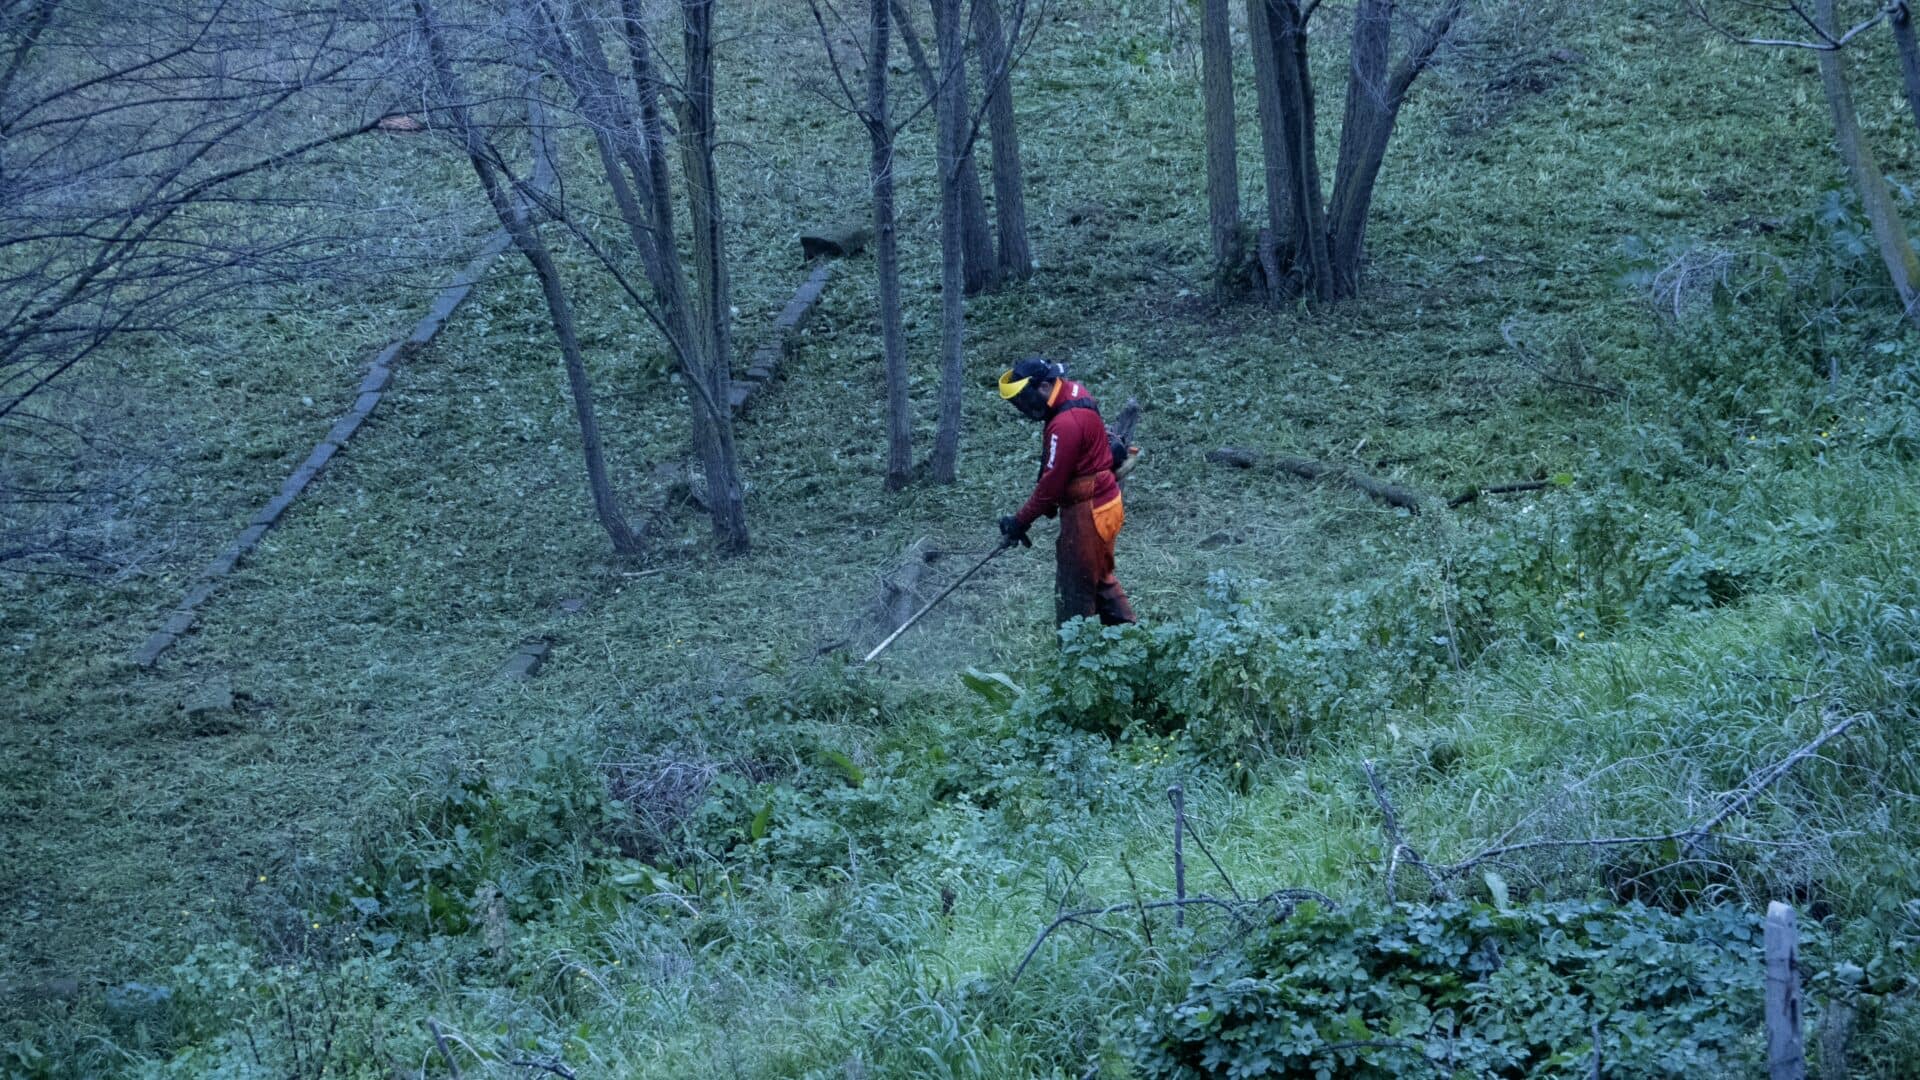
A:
(762, 912)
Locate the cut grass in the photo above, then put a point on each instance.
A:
(366, 633)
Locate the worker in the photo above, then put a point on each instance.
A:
(1077, 483)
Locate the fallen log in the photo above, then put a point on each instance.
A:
(834, 243)
(1308, 469)
(1234, 456)
(1471, 494)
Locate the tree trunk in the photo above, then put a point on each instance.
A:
(1374, 98)
(519, 224)
(1223, 165)
(1273, 147)
(886, 251)
(1015, 257)
(1286, 21)
(694, 339)
(1896, 251)
(1364, 131)
(976, 238)
(726, 498)
(628, 150)
(606, 504)
(981, 273)
(1903, 39)
(951, 111)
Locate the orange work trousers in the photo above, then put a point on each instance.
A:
(1083, 556)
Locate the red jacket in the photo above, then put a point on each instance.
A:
(1073, 447)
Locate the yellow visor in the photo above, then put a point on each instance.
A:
(1010, 387)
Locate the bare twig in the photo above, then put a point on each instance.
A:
(1471, 494)
(1178, 796)
(1133, 887)
(1828, 41)
(1217, 868)
(1390, 825)
(1236, 908)
(446, 1052)
(1539, 367)
(1754, 785)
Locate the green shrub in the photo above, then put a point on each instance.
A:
(1230, 675)
(475, 836)
(1470, 990)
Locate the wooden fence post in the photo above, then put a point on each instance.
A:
(1786, 1049)
(1178, 795)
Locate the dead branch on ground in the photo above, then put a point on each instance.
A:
(1535, 363)
(1472, 494)
(1308, 469)
(1751, 788)
(1398, 846)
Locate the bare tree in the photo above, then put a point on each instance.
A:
(957, 131)
(1321, 242)
(625, 122)
(976, 239)
(725, 494)
(148, 161)
(1822, 32)
(876, 115)
(1223, 166)
(886, 250)
(1014, 259)
(951, 111)
(516, 216)
(117, 145)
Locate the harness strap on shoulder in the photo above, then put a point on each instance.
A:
(1073, 403)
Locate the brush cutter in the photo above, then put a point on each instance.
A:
(1125, 457)
(1005, 544)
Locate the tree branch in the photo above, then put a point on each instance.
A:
(1390, 825)
(1752, 787)
(1828, 41)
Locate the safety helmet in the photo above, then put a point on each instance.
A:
(1015, 379)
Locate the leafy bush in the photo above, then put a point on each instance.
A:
(1467, 989)
(477, 836)
(1229, 675)
(1235, 673)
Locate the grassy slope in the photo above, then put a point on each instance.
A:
(367, 631)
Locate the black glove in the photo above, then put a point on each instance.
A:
(1013, 531)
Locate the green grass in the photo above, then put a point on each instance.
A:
(366, 633)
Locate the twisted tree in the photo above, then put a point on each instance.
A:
(1319, 241)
